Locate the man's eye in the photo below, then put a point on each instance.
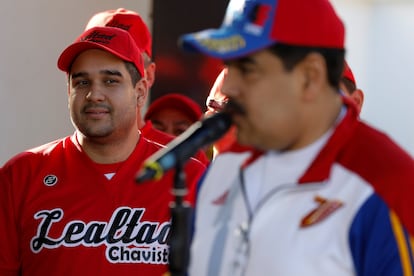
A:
(81, 83)
(179, 131)
(111, 81)
(246, 69)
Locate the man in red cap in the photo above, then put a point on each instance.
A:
(133, 23)
(72, 206)
(303, 203)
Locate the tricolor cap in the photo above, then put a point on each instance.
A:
(113, 40)
(252, 25)
(127, 20)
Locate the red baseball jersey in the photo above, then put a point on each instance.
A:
(60, 214)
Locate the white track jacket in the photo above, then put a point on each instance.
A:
(308, 212)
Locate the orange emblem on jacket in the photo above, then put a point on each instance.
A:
(323, 210)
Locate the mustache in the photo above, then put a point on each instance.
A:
(96, 106)
(233, 107)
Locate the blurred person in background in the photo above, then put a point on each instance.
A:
(173, 113)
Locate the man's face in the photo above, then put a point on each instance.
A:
(271, 99)
(102, 100)
(171, 121)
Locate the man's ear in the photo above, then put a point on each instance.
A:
(358, 97)
(68, 91)
(315, 74)
(150, 74)
(141, 89)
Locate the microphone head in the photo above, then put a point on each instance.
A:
(216, 125)
(198, 135)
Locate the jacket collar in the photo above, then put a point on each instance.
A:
(320, 168)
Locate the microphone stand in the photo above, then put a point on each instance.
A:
(181, 213)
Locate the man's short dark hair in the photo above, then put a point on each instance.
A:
(133, 72)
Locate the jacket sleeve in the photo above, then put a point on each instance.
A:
(380, 245)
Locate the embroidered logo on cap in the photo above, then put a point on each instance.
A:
(117, 24)
(98, 37)
(233, 43)
(325, 208)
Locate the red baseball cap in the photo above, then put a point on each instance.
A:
(127, 20)
(176, 101)
(348, 73)
(252, 25)
(113, 40)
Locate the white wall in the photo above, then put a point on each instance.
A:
(33, 101)
(380, 44)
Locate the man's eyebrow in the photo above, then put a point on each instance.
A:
(79, 75)
(111, 72)
(102, 72)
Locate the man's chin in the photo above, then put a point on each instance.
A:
(93, 133)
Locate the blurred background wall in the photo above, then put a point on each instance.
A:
(380, 44)
(33, 101)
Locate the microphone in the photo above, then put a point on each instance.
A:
(180, 149)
